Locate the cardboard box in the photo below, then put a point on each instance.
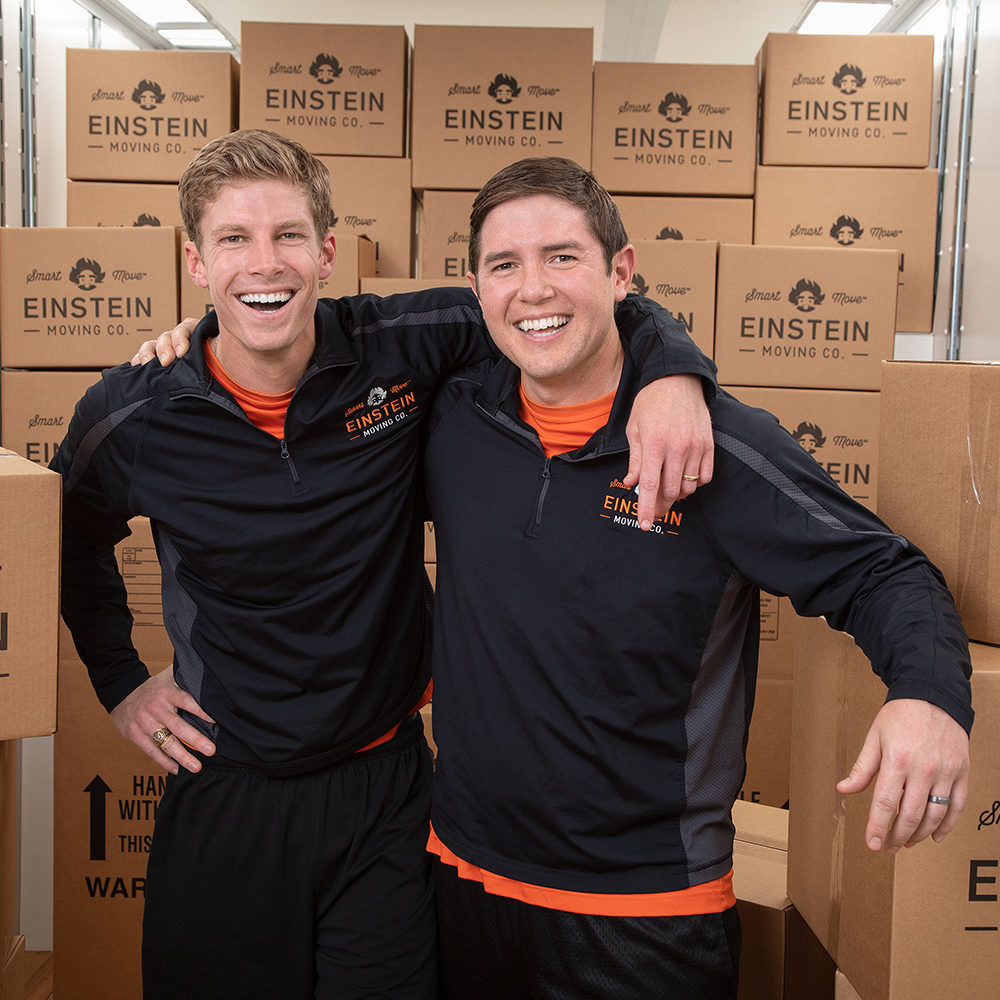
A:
(879, 208)
(842, 989)
(430, 550)
(807, 317)
(106, 795)
(31, 501)
(143, 115)
(484, 97)
(426, 715)
(781, 958)
(93, 203)
(36, 408)
(777, 638)
(371, 197)
(769, 744)
(718, 220)
(355, 260)
(680, 275)
(84, 297)
(13, 972)
(10, 882)
(675, 129)
(925, 922)
(847, 100)
(443, 234)
(338, 89)
(838, 427)
(939, 462)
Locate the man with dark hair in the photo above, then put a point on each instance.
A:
(594, 683)
(279, 463)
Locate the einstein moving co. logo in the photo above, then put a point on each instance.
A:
(849, 79)
(674, 107)
(86, 274)
(325, 68)
(504, 88)
(806, 295)
(853, 475)
(380, 409)
(620, 507)
(484, 126)
(846, 230)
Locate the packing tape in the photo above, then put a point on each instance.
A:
(836, 874)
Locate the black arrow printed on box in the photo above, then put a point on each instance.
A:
(98, 791)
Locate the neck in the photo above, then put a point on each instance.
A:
(578, 385)
(268, 372)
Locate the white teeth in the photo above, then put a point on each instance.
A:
(549, 322)
(267, 297)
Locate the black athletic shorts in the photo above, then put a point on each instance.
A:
(495, 948)
(312, 887)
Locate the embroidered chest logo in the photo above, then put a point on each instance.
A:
(620, 506)
(381, 408)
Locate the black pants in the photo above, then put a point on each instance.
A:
(311, 887)
(495, 948)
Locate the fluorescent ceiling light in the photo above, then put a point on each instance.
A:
(193, 37)
(848, 17)
(155, 12)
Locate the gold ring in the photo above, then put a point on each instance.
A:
(690, 479)
(161, 736)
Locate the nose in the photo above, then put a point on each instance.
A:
(263, 257)
(535, 283)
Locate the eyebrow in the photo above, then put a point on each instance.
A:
(548, 248)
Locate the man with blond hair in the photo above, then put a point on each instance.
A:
(279, 463)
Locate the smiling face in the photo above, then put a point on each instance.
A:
(262, 260)
(549, 300)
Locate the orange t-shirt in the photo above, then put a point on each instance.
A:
(561, 429)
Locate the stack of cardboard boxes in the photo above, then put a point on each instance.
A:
(797, 302)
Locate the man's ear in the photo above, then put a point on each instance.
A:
(622, 270)
(327, 255)
(195, 264)
(471, 275)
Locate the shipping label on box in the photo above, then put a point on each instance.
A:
(143, 115)
(809, 317)
(658, 217)
(680, 275)
(371, 196)
(938, 477)
(838, 427)
(847, 100)
(877, 208)
(677, 129)
(484, 97)
(443, 234)
(871, 910)
(84, 297)
(36, 408)
(31, 501)
(118, 203)
(338, 89)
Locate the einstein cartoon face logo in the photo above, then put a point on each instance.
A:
(86, 274)
(639, 285)
(810, 436)
(848, 79)
(148, 94)
(325, 68)
(145, 219)
(669, 233)
(674, 107)
(806, 295)
(846, 230)
(504, 88)
(377, 396)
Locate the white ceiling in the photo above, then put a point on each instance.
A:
(624, 30)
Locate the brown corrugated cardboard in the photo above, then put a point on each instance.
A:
(31, 501)
(339, 89)
(36, 408)
(355, 261)
(443, 234)
(847, 100)
(777, 638)
(838, 427)
(842, 989)
(680, 274)
(659, 217)
(769, 744)
(371, 196)
(925, 922)
(781, 958)
(878, 208)
(93, 203)
(939, 463)
(804, 317)
(106, 795)
(483, 97)
(10, 788)
(84, 297)
(143, 115)
(430, 551)
(675, 129)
